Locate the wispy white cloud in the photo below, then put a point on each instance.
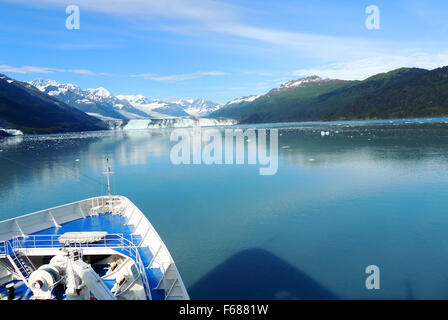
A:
(343, 57)
(364, 68)
(307, 44)
(187, 10)
(150, 76)
(33, 69)
(197, 17)
(143, 75)
(24, 69)
(178, 77)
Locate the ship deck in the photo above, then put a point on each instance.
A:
(112, 224)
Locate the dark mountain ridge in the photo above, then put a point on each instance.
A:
(401, 93)
(25, 108)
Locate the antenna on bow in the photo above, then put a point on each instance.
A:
(108, 173)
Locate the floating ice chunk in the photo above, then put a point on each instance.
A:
(13, 132)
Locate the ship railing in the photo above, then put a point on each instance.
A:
(3, 249)
(112, 241)
(28, 261)
(52, 241)
(104, 204)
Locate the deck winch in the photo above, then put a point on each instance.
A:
(43, 281)
(79, 278)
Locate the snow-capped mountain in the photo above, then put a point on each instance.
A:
(103, 104)
(84, 100)
(26, 109)
(154, 107)
(291, 84)
(54, 88)
(244, 99)
(198, 107)
(232, 108)
(302, 83)
(98, 93)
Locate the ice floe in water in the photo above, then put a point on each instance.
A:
(13, 132)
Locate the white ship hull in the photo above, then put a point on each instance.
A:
(125, 236)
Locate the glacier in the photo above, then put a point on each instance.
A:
(134, 124)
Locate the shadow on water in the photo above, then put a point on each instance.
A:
(410, 295)
(258, 274)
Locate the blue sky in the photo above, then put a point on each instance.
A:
(218, 50)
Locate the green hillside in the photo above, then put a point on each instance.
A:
(405, 92)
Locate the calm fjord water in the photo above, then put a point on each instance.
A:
(370, 193)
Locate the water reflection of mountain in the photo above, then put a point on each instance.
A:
(130, 147)
(75, 156)
(47, 157)
(43, 159)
